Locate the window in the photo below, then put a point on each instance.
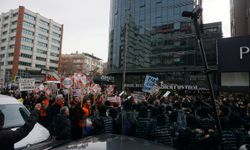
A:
(27, 24)
(13, 30)
(44, 23)
(10, 62)
(55, 47)
(52, 68)
(11, 46)
(3, 40)
(56, 34)
(24, 47)
(28, 32)
(30, 17)
(40, 58)
(54, 54)
(55, 41)
(11, 54)
(41, 51)
(14, 23)
(40, 66)
(15, 14)
(5, 18)
(16, 111)
(2, 55)
(5, 32)
(24, 63)
(56, 28)
(3, 48)
(24, 39)
(54, 61)
(12, 38)
(43, 30)
(43, 37)
(26, 55)
(42, 44)
(5, 25)
(1, 63)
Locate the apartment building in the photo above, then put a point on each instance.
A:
(28, 41)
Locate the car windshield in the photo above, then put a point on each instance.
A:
(15, 115)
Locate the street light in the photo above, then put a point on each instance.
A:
(195, 16)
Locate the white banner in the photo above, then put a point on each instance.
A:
(166, 94)
(26, 84)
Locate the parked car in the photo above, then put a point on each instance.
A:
(103, 142)
(15, 115)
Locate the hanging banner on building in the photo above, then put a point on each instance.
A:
(149, 83)
(26, 84)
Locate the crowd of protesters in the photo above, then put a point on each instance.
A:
(184, 122)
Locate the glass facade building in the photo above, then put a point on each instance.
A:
(152, 37)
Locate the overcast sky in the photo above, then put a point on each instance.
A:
(86, 22)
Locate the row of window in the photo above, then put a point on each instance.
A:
(28, 32)
(45, 23)
(56, 34)
(11, 38)
(27, 24)
(28, 40)
(24, 47)
(43, 37)
(7, 17)
(30, 17)
(29, 48)
(4, 47)
(29, 64)
(41, 51)
(26, 55)
(40, 58)
(56, 41)
(42, 44)
(43, 30)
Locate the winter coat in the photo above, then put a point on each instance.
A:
(62, 127)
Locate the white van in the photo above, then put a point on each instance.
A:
(15, 115)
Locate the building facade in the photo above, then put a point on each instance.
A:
(29, 41)
(80, 62)
(240, 17)
(152, 37)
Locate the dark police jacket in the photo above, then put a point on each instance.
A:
(8, 137)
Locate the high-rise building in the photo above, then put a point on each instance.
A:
(28, 41)
(240, 17)
(80, 63)
(152, 37)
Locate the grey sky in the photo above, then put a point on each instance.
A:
(86, 22)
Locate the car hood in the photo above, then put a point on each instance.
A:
(112, 142)
(38, 134)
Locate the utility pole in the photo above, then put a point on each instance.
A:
(195, 16)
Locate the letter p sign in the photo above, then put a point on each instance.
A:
(243, 51)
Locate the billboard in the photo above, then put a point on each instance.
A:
(234, 54)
